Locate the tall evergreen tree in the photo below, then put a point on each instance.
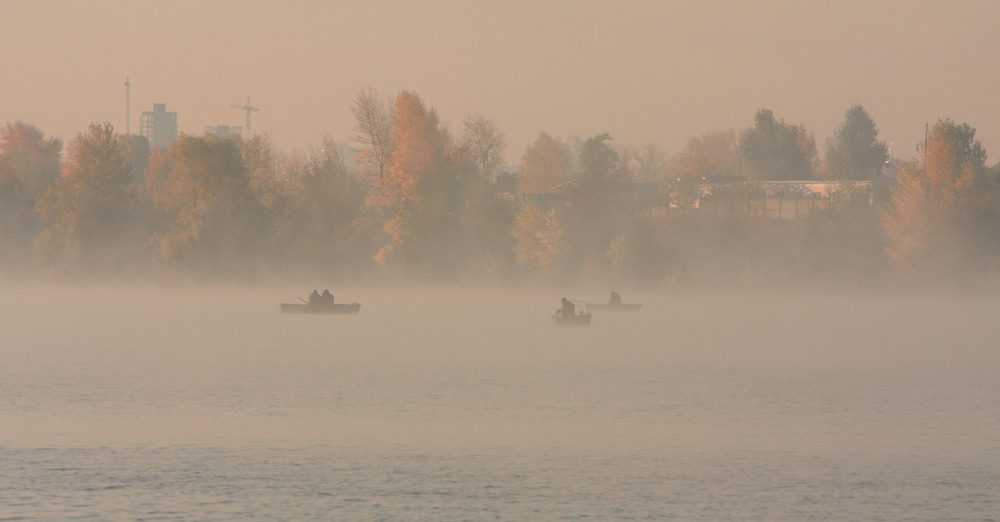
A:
(858, 153)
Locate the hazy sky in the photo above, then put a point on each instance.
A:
(644, 71)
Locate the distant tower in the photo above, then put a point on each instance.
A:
(248, 108)
(127, 86)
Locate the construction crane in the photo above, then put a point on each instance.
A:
(249, 109)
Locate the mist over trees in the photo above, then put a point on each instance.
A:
(29, 163)
(86, 212)
(943, 218)
(731, 209)
(545, 165)
(775, 150)
(857, 152)
(373, 118)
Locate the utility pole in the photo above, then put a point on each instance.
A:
(249, 109)
(127, 100)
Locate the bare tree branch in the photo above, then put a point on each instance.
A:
(373, 129)
(487, 143)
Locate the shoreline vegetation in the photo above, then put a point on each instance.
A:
(734, 210)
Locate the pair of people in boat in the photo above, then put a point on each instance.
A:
(319, 300)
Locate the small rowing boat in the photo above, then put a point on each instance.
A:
(581, 319)
(320, 308)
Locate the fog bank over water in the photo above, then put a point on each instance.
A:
(458, 367)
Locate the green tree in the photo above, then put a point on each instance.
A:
(86, 212)
(320, 231)
(774, 150)
(942, 211)
(545, 164)
(599, 179)
(598, 160)
(858, 153)
(598, 204)
(214, 221)
(17, 227)
(484, 216)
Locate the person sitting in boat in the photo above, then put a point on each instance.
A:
(314, 298)
(615, 298)
(568, 308)
(327, 297)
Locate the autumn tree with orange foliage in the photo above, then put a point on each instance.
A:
(942, 212)
(157, 173)
(87, 210)
(28, 157)
(29, 163)
(421, 194)
(710, 155)
(705, 159)
(539, 238)
(544, 165)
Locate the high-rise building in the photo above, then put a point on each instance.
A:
(159, 126)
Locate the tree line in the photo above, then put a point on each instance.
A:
(421, 202)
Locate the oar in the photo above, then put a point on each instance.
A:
(303, 300)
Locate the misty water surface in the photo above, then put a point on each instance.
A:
(699, 406)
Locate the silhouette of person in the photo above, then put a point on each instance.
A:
(615, 298)
(314, 297)
(568, 308)
(327, 297)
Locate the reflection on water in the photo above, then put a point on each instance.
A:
(181, 403)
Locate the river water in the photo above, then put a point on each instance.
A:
(180, 403)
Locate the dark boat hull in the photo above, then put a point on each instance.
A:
(613, 307)
(583, 319)
(336, 308)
